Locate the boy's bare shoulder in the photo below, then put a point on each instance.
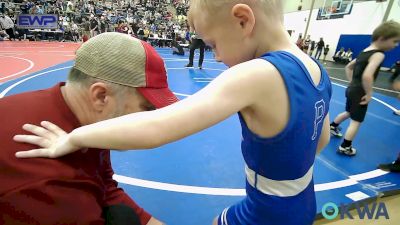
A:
(256, 68)
(256, 76)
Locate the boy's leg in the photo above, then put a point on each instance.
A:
(352, 130)
(341, 117)
(346, 147)
(335, 129)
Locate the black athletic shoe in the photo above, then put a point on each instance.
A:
(349, 151)
(189, 65)
(200, 67)
(335, 131)
(391, 167)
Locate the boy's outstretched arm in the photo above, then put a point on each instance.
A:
(234, 90)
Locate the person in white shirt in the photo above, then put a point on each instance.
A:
(75, 31)
(339, 55)
(7, 24)
(348, 56)
(3, 34)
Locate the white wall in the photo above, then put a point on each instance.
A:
(365, 17)
(292, 5)
(395, 12)
(296, 21)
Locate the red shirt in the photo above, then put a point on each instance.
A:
(70, 190)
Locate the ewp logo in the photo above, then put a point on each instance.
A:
(330, 211)
(38, 21)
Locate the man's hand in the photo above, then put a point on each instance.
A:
(54, 141)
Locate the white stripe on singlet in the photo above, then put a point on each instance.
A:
(280, 188)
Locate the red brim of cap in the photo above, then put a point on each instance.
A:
(159, 97)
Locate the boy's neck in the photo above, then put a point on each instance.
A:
(276, 40)
(374, 46)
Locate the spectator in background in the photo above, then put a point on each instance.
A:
(122, 27)
(24, 7)
(146, 34)
(177, 49)
(86, 29)
(103, 25)
(7, 24)
(70, 12)
(339, 55)
(93, 26)
(3, 7)
(40, 9)
(196, 43)
(33, 10)
(348, 56)
(75, 31)
(320, 47)
(306, 44)
(326, 50)
(140, 33)
(312, 48)
(158, 16)
(299, 42)
(187, 36)
(3, 34)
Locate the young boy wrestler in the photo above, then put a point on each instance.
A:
(281, 96)
(362, 72)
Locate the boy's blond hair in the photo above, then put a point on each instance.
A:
(387, 30)
(271, 7)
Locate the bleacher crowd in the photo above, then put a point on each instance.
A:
(156, 21)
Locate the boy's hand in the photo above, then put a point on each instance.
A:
(52, 140)
(365, 99)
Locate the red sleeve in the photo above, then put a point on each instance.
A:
(115, 195)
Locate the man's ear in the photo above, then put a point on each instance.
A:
(99, 95)
(244, 16)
